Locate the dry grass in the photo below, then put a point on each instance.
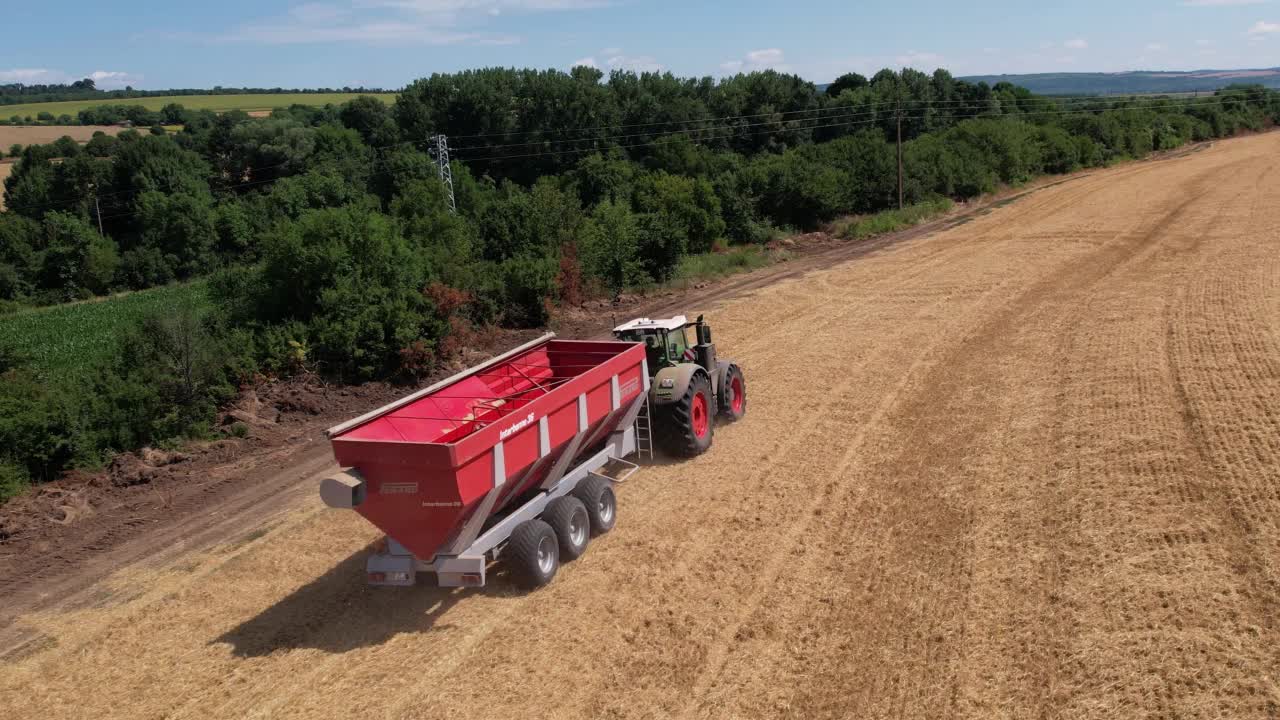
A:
(1026, 467)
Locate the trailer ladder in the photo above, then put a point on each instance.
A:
(644, 432)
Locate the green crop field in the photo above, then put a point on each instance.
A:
(63, 340)
(217, 103)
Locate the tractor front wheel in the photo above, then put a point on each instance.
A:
(686, 426)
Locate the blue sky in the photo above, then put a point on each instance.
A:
(269, 43)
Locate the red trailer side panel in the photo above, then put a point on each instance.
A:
(429, 463)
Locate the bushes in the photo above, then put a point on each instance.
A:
(38, 429)
(167, 381)
(163, 380)
(77, 261)
(689, 207)
(351, 278)
(893, 220)
(609, 249)
(13, 480)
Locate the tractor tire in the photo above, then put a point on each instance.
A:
(596, 494)
(733, 396)
(533, 554)
(685, 427)
(568, 517)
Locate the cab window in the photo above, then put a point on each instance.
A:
(677, 343)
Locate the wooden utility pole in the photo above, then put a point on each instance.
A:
(899, 147)
(97, 209)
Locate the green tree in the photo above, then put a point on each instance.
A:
(690, 203)
(183, 227)
(76, 260)
(610, 250)
(848, 81)
(353, 280)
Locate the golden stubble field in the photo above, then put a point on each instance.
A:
(39, 134)
(1026, 467)
(5, 168)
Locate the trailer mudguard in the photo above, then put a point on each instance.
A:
(671, 383)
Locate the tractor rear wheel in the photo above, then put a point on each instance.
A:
(685, 427)
(533, 554)
(733, 396)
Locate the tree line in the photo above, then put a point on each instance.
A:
(328, 244)
(86, 89)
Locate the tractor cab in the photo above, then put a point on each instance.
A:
(667, 342)
(690, 386)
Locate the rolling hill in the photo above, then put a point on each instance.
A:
(1087, 83)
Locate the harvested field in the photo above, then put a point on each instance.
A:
(5, 169)
(39, 134)
(1024, 467)
(216, 103)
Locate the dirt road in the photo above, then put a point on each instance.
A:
(1025, 467)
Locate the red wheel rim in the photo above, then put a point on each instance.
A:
(738, 398)
(699, 413)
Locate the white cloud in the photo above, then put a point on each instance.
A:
(1155, 47)
(1263, 27)
(103, 79)
(32, 76)
(765, 59)
(634, 63)
(919, 60)
(114, 79)
(395, 22)
(615, 59)
(1076, 44)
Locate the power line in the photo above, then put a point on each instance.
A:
(849, 112)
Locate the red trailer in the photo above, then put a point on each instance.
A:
(514, 457)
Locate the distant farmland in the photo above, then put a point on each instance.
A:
(5, 167)
(216, 103)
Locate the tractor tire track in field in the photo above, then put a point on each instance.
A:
(1025, 466)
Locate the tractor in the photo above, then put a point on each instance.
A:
(690, 387)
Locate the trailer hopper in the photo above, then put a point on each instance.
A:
(450, 471)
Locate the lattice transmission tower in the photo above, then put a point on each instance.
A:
(440, 151)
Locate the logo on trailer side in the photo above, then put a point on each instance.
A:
(516, 428)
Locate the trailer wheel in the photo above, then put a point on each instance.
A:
(533, 554)
(568, 517)
(733, 397)
(686, 426)
(597, 496)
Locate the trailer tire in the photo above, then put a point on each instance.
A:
(597, 496)
(533, 554)
(686, 427)
(733, 394)
(568, 517)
